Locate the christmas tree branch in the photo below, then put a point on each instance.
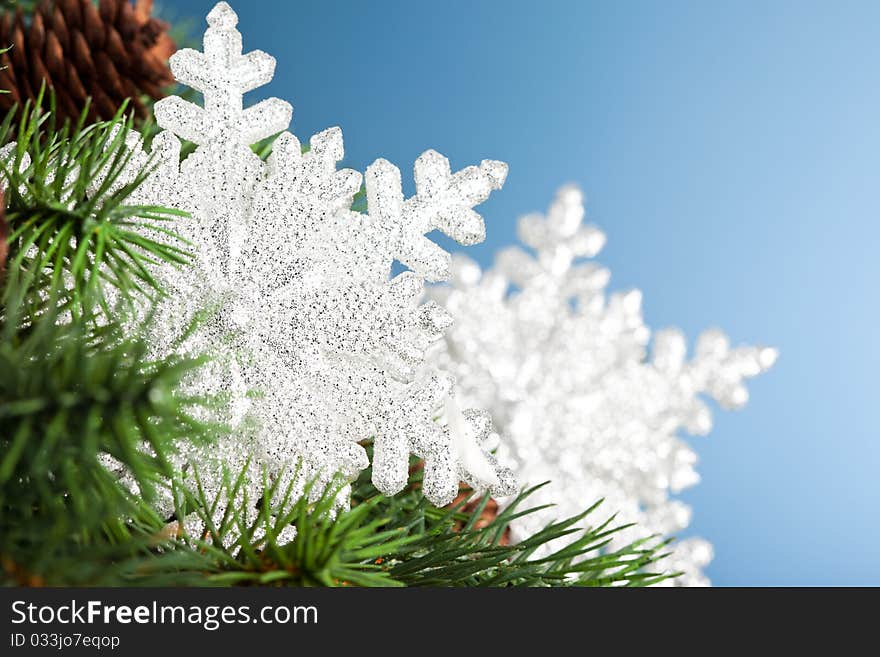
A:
(73, 398)
(69, 217)
(385, 541)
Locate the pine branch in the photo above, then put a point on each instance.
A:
(85, 239)
(74, 395)
(382, 541)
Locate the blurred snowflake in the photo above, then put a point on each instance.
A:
(565, 372)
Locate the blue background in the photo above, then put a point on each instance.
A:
(729, 151)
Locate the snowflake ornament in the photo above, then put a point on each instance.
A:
(565, 371)
(318, 346)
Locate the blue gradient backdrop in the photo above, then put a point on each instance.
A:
(730, 152)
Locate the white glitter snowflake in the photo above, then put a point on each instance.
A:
(318, 346)
(566, 374)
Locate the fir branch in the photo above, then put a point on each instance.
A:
(83, 240)
(383, 541)
(72, 396)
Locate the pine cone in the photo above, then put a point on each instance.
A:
(110, 52)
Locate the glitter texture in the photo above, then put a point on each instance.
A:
(565, 372)
(317, 346)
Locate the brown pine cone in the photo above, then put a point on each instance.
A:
(109, 52)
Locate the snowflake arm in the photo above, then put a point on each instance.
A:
(311, 177)
(443, 201)
(223, 75)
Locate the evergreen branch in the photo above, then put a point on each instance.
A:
(382, 541)
(74, 398)
(69, 212)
